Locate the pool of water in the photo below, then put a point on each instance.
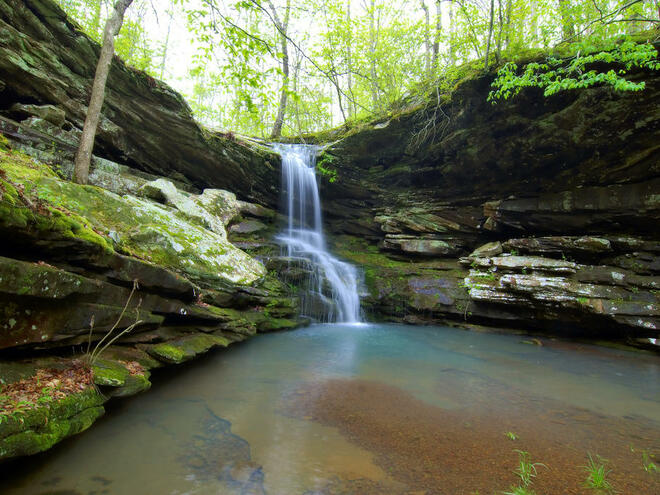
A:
(372, 409)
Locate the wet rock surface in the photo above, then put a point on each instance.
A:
(539, 213)
(138, 282)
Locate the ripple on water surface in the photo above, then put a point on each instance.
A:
(338, 409)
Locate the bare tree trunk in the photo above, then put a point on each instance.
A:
(296, 73)
(349, 62)
(167, 40)
(372, 54)
(534, 22)
(282, 27)
(84, 153)
(427, 38)
(509, 8)
(438, 32)
(452, 47)
(490, 33)
(500, 22)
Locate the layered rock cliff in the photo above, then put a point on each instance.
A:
(558, 196)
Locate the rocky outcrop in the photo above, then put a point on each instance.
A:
(556, 199)
(152, 275)
(46, 70)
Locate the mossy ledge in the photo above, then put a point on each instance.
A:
(81, 264)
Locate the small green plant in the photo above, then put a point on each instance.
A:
(520, 490)
(597, 474)
(92, 355)
(511, 435)
(486, 275)
(649, 465)
(526, 469)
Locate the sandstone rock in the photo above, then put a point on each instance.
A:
(151, 231)
(417, 246)
(488, 250)
(49, 113)
(523, 263)
(255, 210)
(248, 227)
(222, 204)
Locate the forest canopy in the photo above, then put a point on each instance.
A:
(272, 67)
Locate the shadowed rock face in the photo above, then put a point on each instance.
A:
(45, 59)
(529, 184)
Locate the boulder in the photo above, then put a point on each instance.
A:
(50, 113)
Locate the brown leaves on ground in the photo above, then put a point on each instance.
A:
(133, 367)
(46, 386)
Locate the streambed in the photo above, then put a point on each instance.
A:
(370, 409)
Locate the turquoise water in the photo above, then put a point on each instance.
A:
(226, 424)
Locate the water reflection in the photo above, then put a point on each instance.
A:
(226, 424)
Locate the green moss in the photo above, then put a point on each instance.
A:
(134, 384)
(168, 353)
(185, 348)
(30, 442)
(273, 324)
(4, 143)
(146, 230)
(39, 429)
(109, 373)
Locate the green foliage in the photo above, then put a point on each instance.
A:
(511, 435)
(648, 464)
(324, 166)
(555, 75)
(519, 490)
(373, 58)
(526, 469)
(133, 44)
(597, 474)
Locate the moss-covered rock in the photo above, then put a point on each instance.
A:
(185, 348)
(145, 229)
(40, 429)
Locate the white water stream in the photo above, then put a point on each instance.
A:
(332, 282)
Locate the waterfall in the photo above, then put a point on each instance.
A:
(332, 283)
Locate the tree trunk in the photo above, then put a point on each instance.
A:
(452, 47)
(372, 54)
(84, 153)
(282, 28)
(167, 41)
(500, 21)
(509, 8)
(349, 61)
(427, 38)
(438, 32)
(490, 33)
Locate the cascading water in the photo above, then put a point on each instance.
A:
(331, 281)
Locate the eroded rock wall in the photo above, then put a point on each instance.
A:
(573, 178)
(139, 265)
